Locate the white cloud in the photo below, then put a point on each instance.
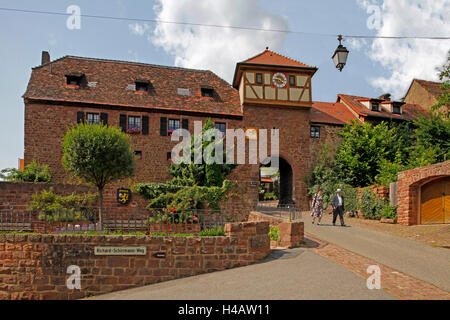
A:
(412, 58)
(216, 49)
(138, 29)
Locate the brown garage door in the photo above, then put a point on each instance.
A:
(435, 202)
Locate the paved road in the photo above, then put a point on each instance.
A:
(418, 260)
(291, 274)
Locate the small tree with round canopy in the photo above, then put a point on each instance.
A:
(99, 155)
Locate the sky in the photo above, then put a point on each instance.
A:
(374, 67)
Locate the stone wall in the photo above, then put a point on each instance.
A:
(258, 216)
(409, 183)
(291, 233)
(35, 266)
(19, 194)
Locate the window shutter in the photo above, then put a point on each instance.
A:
(163, 126)
(144, 124)
(104, 118)
(185, 124)
(123, 122)
(80, 117)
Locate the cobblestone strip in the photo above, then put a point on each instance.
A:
(396, 283)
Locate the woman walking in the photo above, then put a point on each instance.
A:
(317, 205)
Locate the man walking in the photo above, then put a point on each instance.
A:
(338, 207)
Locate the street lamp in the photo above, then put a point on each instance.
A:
(340, 55)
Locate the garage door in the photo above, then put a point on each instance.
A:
(435, 202)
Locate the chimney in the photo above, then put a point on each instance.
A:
(386, 97)
(45, 57)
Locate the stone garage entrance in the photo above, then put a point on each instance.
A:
(424, 195)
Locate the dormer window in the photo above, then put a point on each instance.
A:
(396, 109)
(375, 107)
(74, 80)
(208, 92)
(142, 86)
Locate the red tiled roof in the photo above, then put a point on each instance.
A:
(272, 58)
(409, 111)
(332, 113)
(264, 179)
(113, 78)
(432, 87)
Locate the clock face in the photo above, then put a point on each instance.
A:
(279, 79)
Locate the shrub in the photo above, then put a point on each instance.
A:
(74, 207)
(274, 233)
(371, 206)
(389, 212)
(270, 196)
(33, 172)
(213, 232)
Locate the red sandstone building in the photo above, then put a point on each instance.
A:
(150, 101)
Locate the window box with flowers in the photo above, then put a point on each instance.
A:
(133, 130)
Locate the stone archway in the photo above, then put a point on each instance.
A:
(286, 182)
(422, 189)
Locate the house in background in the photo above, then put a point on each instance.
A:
(376, 110)
(424, 93)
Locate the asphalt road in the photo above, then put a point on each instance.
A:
(430, 264)
(291, 274)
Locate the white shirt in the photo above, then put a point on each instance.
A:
(340, 200)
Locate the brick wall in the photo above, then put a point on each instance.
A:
(258, 216)
(409, 184)
(381, 191)
(291, 233)
(19, 194)
(35, 266)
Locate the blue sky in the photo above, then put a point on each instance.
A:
(370, 70)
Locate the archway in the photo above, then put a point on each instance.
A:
(282, 181)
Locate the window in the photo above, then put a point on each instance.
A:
(73, 80)
(142, 86)
(375, 107)
(259, 78)
(169, 155)
(222, 127)
(134, 122)
(207, 92)
(174, 124)
(315, 132)
(93, 118)
(397, 110)
(138, 155)
(292, 81)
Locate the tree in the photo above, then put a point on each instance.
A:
(442, 107)
(193, 186)
(433, 132)
(32, 172)
(99, 155)
(358, 158)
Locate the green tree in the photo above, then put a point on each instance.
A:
(99, 155)
(193, 185)
(432, 133)
(32, 172)
(358, 158)
(442, 107)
